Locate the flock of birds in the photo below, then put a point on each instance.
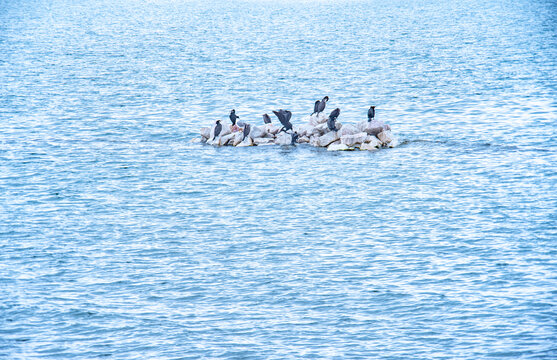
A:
(284, 117)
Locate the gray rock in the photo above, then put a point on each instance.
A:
(263, 141)
(328, 138)
(237, 138)
(206, 132)
(373, 142)
(283, 139)
(348, 129)
(385, 137)
(351, 140)
(338, 147)
(372, 127)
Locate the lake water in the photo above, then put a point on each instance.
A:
(121, 238)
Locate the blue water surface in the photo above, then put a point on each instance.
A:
(121, 238)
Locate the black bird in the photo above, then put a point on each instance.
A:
(315, 107)
(371, 113)
(218, 129)
(322, 104)
(266, 119)
(284, 118)
(247, 129)
(332, 119)
(233, 117)
(295, 137)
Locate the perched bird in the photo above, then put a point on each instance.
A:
(247, 129)
(322, 104)
(218, 129)
(266, 119)
(284, 118)
(315, 107)
(332, 119)
(295, 137)
(371, 113)
(233, 117)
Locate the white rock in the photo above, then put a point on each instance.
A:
(303, 139)
(263, 141)
(226, 129)
(385, 137)
(206, 132)
(272, 129)
(372, 127)
(328, 138)
(372, 141)
(316, 119)
(283, 139)
(368, 146)
(320, 129)
(338, 147)
(351, 140)
(257, 132)
(246, 142)
(237, 138)
(305, 130)
(348, 129)
(314, 140)
(222, 140)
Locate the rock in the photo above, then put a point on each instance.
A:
(219, 141)
(314, 140)
(348, 129)
(328, 138)
(257, 132)
(351, 140)
(372, 127)
(263, 141)
(226, 129)
(303, 139)
(283, 139)
(237, 138)
(206, 133)
(369, 146)
(305, 130)
(271, 129)
(338, 147)
(248, 141)
(316, 119)
(385, 137)
(393, 143)
(320, 129)
(372, 141)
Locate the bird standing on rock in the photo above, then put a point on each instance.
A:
(218, 129)
(266, 119)
(284, 118)
(371, 113)
(247, 129)
(295, 137)
(315, 107)
(322, 104)
(233, 117)
(332, 119)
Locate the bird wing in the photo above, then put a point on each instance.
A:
(316, 106)
(280, 116)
